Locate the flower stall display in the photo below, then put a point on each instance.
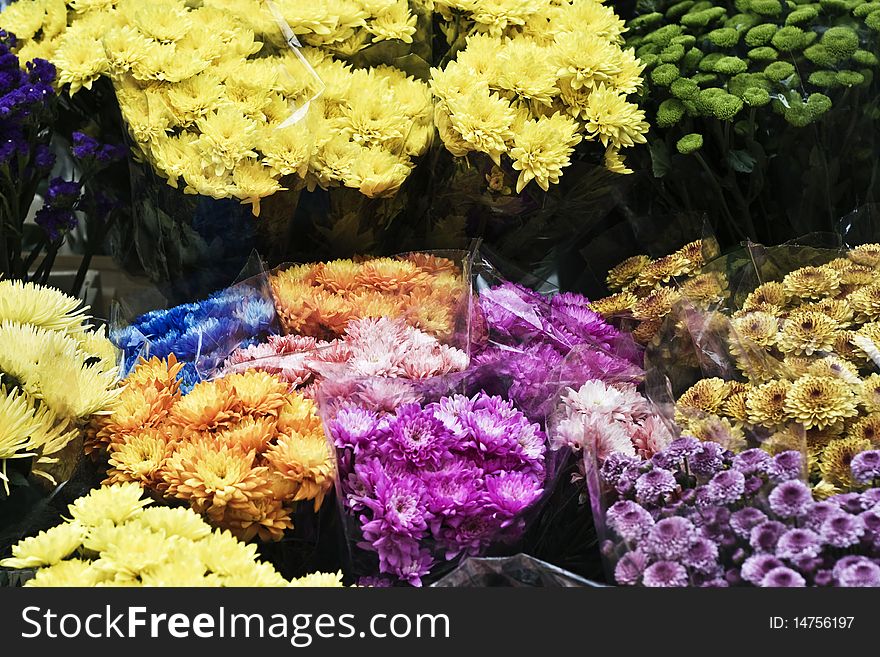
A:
(240, 450)
(56, 374)
(696, 515)
(422, 483)
(116, 537)
(734, 87)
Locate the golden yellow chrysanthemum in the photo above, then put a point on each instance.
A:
(626, 272)
(855, 275)
(869, 393)
(766, 403)
(542, 149)
(251, 434)
(80, 61)
(770, 294)
(705, 395)
(717, 430)
(834, 366)
(662, 270)
(819, 401)
(647, 330)
(865, 254)
(257, 393)
(298, 415)
(865, 303)
(837, 309)
(807, 332)
(736, 407)
(46, 548)
(483, 120)
(757, 327)
(836, 457)
(138, 459)
(616, 304)
(811, 282)
(586, 60)
(306, 460)
(705, 289)
(867, 428)
(657, 304)
(207, 406)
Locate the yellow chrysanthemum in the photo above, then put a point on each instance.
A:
(316, 580)
(811, 282)
(80, 61)
(586, 60)
(766, 403)
(483, 120)
(769, 294)
(174, 522)
(28, 303)
(114, 504)
(657, 304)
(757, 327)
(46, 548)
(613, 120)
(251, 434)
(616, 304)
(705, 289)
(626, 272)
(869, 393)
(819, 401)
(306, 460)
(207, 406)
(834, 366)
(705, 396)
(69, 573)
(836, 457)
(865, 254)
(662, 270)
(807, 332)
(736, 406)
(867, 428)
(138, 459)
(717, 430)
(542, 148)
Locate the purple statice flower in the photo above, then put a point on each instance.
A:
(818, 513)
(57, 217)
(726, 487)
(670, 538)
(629, 569)
(764, 537)
(665, 574)
(842, 530)
(786, 465)
(44, 159)
(743, 521)
(354, 427)
(508, 494)
(847, 502)
(708, 460)
(798, 544)
(752, 461)
(417, 438)
(757, 566)
(791, 499)
(629, 520)
(866, 466)
(615, 465)
(862, 574)
(84, 146)
(654, 485)
(783, 577)
(702, 555)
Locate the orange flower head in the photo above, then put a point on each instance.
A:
(375, 304)
(431, 315)
(432, 265)
(393, 276)
(332, 313)
(306, 460)
(267, 520)
(157, 373)
(208, 406)
(298, 414)
(136, 408)
(139, 459)
(256, 392)
(249, 435)
(338, 275)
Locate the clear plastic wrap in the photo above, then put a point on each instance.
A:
(519, 571)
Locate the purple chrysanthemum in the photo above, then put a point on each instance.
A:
(757, 566)
(823, 578)
(353, 427)
(708, 460)
(629, 520)
(798, 544)
(752, 461)
(846, 562)
(818, 513)
(847, 502)
(727, 487)
(615, 465)
(652, 486)
(670, 538)
(629, 569)
(870, 498)
(508, 494)
(863, 574)
(871, 521)
(791, 499)
(417, 438)
(702, 555)
(764, 537)
(866, 466)
(665, 574)
(842, 530)
(786, 465)
(743, 521)
(783, 577)
(682, 448)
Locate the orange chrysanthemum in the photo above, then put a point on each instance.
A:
(139, 459)
(432, 265)
(256, 393)
(249, 435)
(393, 276)
(338, 275)
(208, 406)
(304, 459)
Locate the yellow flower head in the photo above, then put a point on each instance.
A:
(542, 148)
(207, 406)
(807, 332)
(114, 504)
(613, 120)
(768, 294)
(836, 458)
(705, 396)
(657, 304)
(616, 304)
(138, 459)
(757, 327)
(766, 403)
(46, 548)
(626, 272)
(865, 254)
(820, 401)
(811, 282)
(483, 120)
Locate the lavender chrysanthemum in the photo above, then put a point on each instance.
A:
(818, 513)
(871, 521)
(847, 561)
(783, 577)
(790, 499)
(629, 520)
(798, 544)
(682, 448)
(752, 461)
(847, 502)
(764, 537)
(670, 538)
(866, 466)
(508, 494)
(702, 555)
(786, 465)
(842, 530)
(665, 574)
(757, 566)
(652, 486)
(743, 521)
(727, 487)
(417, 438)
(629, 569)
(615, 465)
(863, 574)
(708, 460)
(353, 426)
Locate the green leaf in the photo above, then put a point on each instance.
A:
(660, 162)
(741, 161)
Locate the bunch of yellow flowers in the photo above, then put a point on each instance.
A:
(535, 79)
(214, 95)
(115, 538)
(240, 450)
(55, 373)
(319, 300)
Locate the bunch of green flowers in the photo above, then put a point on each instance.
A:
(731, 83)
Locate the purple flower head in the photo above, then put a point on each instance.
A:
(414, 566)
(112, 153)
(716, 583)
(791, 499)
(41, 72)
(866, 466)
(726, 487)
(847, 502)
(398, 506)
(654, 485)
(752, 461)
(44, 159)
(629, 569)
(845, 562)
(786, 465)
(870, 498)
(842, 530)
(468, 534)
(798, 544)
(626, 483)
(55, 223)
(615, 465)
(453, 490)
(670, 538)
(757, 566)
(665, 574)
(508, 494)
(783, 577)
(871, 521)
(743, 521)
(702, 555)
(417, 438)
(753, 485)
(818, 513)
(823, 578)
(84, 146)
(629, 520)
(764, 537)
(63, 194)
(863, 574)
(708, 460)
(513, 311)
(682, 448)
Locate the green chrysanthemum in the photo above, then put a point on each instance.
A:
(689, 144)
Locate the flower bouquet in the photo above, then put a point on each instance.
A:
(240, 450)
(114, 537)
(696, 515)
